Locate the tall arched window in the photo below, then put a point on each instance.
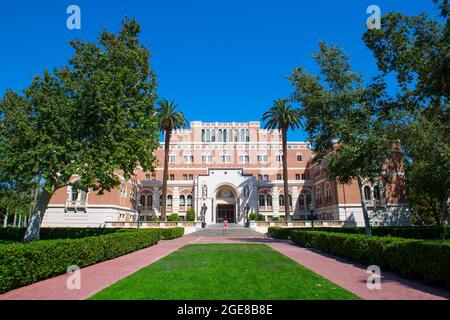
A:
(242, 135)
(299, 157)
(236, 135)
(269, 200)
(318, 195)
(367, 194)
(301, 201)
(182, 201)
(203, 135)
(281, 200)
(169, 200)
(189, 200)
(262, 200)
(213, 135)
(377, 193)
(220, 135)
(150, 200)
(143, 200)
(308, 200)
(247, 135)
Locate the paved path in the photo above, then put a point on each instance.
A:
(347, 275)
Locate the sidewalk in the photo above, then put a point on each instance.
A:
(345, 274)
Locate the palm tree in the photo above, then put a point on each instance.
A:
(283, 116)
(169, 120)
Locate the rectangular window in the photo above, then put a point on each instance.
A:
(185, 176)
(172, 177)
(303, 176)
(171, 158)
(266, 177)
(206, 158)
(279, 177)
(262, 158)
(147, 177)
(297, 176)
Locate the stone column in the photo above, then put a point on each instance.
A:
(294, 200)
(156, 200)
(275, 203)
(176, 200)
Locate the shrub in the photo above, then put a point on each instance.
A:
(252, 216)
(190, 215)
(174, 217)
(171, 233)
(279, 232)
(16, 234)
(22, 264)
(416, 232)
(276, 219)
(260, 217)
(425, 260)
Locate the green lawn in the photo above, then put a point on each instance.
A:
(224, 272)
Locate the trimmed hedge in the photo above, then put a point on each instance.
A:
(171, 233)
(16, 234)
(22, 264)
(415, 232)
(420, 259)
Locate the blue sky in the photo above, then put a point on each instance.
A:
(221, 60)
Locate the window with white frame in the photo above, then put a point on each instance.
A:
(279, 156)
(299, 157)
(188, 157)
(207, 158)
(262, 158)
(244, 158)
(172, 157)
(225, 157)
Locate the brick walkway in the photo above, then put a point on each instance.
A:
(347, 275)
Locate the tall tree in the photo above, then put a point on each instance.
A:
(284, 117)
(343, 120)
(90, 118)
(416, 50)
(169, 119)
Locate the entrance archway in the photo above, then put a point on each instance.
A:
(226, 204)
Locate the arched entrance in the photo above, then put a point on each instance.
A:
(226, 204)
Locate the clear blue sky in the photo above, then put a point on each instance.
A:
(221, 60)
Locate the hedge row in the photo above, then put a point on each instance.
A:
(419, 259)
(171, 233)
(415, 232)
(16, 234)
(22, 264)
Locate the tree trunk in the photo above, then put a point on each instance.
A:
(20, 220)
(165, 174)
(364, 207)
(5, 222)
(34, 227)
(446, 215)
(285, 175)
(15, 219)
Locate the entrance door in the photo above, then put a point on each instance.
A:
(225, 212)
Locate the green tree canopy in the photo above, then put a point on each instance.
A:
(343, 118)
(89, 118)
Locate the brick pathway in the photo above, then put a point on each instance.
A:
(347, 275)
